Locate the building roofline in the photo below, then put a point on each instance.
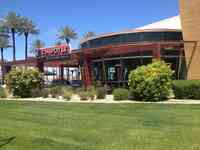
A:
(172, 24)
(129, 31)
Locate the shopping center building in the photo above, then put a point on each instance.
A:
(190, 18)
(110, 57)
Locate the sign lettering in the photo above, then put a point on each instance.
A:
(57, 51)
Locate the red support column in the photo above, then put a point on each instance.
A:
(40, 65)
(87, 72)
(157, 52)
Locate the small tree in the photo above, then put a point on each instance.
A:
(152, 82)
(21, 81)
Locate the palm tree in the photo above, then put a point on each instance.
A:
(67, 33)
(89, 34)
(13, 22)
(36, 45)
(28, 27)
(4, 43)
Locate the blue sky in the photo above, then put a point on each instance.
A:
(99, 16)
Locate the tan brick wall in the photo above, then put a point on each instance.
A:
(190, 18)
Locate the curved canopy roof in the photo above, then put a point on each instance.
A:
(169, 24)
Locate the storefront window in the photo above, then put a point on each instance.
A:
(176, 61)
(111, 73)
(97, 71)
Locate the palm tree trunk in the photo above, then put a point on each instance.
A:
(67, 41)
(13, 43)
(2, 66)
(26, 45)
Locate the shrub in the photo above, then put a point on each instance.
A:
(186, 89)
(64, 91)
(36, 93)
(152, 82)
(56, 91)
(101, 93)
(3, 93)
(91, 93)
(77, 90)
(67, 92)
(120, 94)
(66, 88)
(45, 93)
(83, 95)
(98, 83)
(67, 95)
(21, 81)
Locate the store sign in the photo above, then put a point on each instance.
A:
(54, 52)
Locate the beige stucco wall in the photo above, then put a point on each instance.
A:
(190, 18)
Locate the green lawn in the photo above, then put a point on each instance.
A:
(58, 126)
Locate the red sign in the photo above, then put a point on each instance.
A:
(56, 51)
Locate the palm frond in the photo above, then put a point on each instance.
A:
(13, 21)
(4, 37)
(4, 42)
(36, 45)
(67, 33)
(28, 27)
(88, 34)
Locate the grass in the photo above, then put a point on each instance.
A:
(66, 126)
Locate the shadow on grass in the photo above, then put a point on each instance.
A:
(6, 141)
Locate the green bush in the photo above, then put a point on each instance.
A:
(98, 83)
(120, 94)
(45, 93)
(21, 81)
(67, 95)
(77, 90)
(3, 93)
(101, 93)
(56, 91)
(67, 92)
(64, 91)
(152, 82)
(91, 93)
(67, 88)
(36, 93)
(186, 89)
(84, 95)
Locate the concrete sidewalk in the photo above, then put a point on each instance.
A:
(109, 99)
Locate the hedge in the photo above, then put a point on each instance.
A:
(101, 93)
(186, 89)
(3, 93)
(120, 94)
